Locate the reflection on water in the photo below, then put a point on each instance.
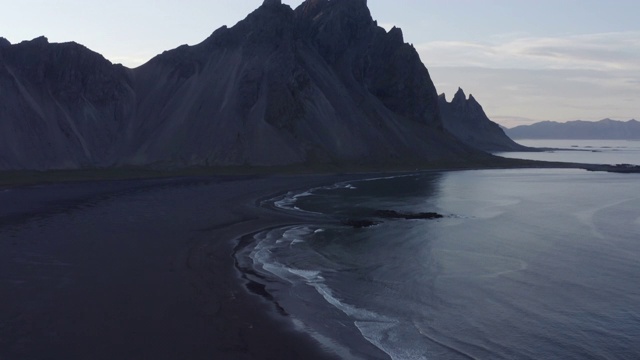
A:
(582, 151)
(526, 264)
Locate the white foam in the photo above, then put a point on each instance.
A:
(380, 334)
(374, 327)
(340, 185)
(278, 270)
(326, 343)
(269, 241)
(350, 310)
(287, 202)
(296, 232)
(377, 329)
(309, 275)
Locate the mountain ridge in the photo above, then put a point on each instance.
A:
(466, 119)
(321, 84)
(605, 129)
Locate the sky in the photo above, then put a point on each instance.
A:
(523, 60)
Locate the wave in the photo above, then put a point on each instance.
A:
(271, 255)
(289, 200)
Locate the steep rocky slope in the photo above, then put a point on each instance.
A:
(61, 106)
(318, 84)
(466, 119)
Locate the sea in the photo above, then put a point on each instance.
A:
(524, 264)
(582, 151)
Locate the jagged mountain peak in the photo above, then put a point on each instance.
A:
(474, 104)
(459, 96)
(461, 99)
(4, 42)
(466, 119)
(272, 2)
(38, 40)
(355, 12)
(319, 84)
(310, 9)
(396, 35)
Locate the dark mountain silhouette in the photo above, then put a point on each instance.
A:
(61, 106)
(466, 119)
(318, 84)
(578, 129)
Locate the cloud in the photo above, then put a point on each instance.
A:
(614, 51)
(544, 94)
(588, 77)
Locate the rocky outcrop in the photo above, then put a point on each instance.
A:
(319, 84)
(393, 214)
(466, 119)
(389, 215)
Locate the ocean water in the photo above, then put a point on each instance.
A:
(583, 151)
(525, 264)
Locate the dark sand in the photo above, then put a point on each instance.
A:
(140, 269)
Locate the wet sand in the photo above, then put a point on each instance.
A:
(140, 269)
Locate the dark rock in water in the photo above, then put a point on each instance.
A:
(389, 214)
(618, 168)
(466, 120)
(321, 84)
(392, 214)
(359, 223)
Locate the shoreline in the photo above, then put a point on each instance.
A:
(143, 269)
(19, 178)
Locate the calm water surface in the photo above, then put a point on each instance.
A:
(526, 264)
(583, 151)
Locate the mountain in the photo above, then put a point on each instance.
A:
(319, 84)
(578, 129)
(466, 119)
(61, 106)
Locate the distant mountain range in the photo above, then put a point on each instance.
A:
(606, 129)
(321, 84)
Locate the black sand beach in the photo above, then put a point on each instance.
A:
(140, 269)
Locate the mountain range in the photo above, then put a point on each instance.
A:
(321, 84)
(606, 129)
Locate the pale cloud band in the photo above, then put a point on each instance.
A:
(546, 78)
(619, 51)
